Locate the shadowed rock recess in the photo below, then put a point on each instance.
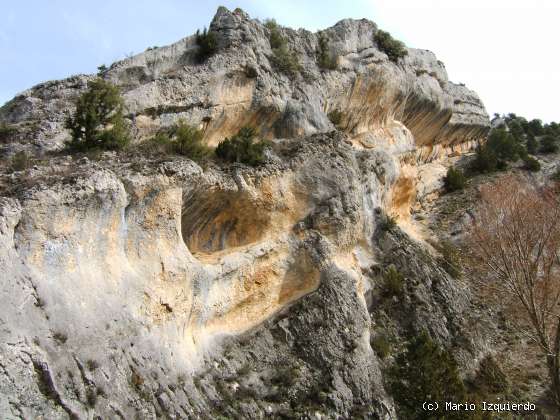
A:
(188, 292)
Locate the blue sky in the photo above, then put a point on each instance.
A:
(503, 49)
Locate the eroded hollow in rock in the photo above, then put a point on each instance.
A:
(216, 221)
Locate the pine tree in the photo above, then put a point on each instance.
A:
(425, 372)
(98, 122)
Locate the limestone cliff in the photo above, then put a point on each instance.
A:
(191, 292)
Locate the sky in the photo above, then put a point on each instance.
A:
(505, 50)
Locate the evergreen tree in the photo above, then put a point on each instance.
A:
(98, 122)
(532, 144)
(207, 44)
(485, 160)
(454, 180)
(549, 144)
(324, 58)
(425, 372)
(242, 148)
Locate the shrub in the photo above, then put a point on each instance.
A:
(181, 139)
(284, 59)
(532, 145)
(325, 59)
(101, 69)
(531, 164)
(92, 364)
(393, 48)
(485, 160)
(6, 132)
(98, 122)
(381, 344)
(454, 180)
(425, 372)
(275, 37)
(451, 258)
(549, 144)
(490, 378)
(535, 127)
(242, 148)
(207, 44)
(393, 282)
(159, 144)
(387, 223)
(60, 337)
(503, 144)
(335, 116)
(187, 141)
(20, 162)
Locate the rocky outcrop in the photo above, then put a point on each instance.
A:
(240, 86)
(135, 288)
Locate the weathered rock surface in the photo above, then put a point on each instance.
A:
(240, 86)
(183, 291)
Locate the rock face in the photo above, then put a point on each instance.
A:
(240, 86)
(188, 292)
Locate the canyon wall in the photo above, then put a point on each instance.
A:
(164, 291)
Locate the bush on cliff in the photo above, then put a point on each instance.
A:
(425, 372)
(6, 132)
(335, 116)
(207, 44)
(454, 180)
(283, 58)
(531, 164)
(98, 122)
(393, 282)
(182, 139)
(242, 148)
(325, 59)
(395, 49)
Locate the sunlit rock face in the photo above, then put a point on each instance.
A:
(145, 293)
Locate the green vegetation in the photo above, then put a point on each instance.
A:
(490, 379)
(532, 144)
(182, 139)
(504, 145)
(393, 282)
(531, 164)
(101, 70)
(549, 144)
(454, 180)
(60, 337)
(6, 132)
(387, 223)
(242, 148)
(393, 48)
(451, 258)
(325, 59)
(425, 372)
(187, 141)
(20, 162)
(335, 116)
(207, 44)
(98, 122)
(485, 160)
(284, 59)
(381, 344)
(515, 139)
